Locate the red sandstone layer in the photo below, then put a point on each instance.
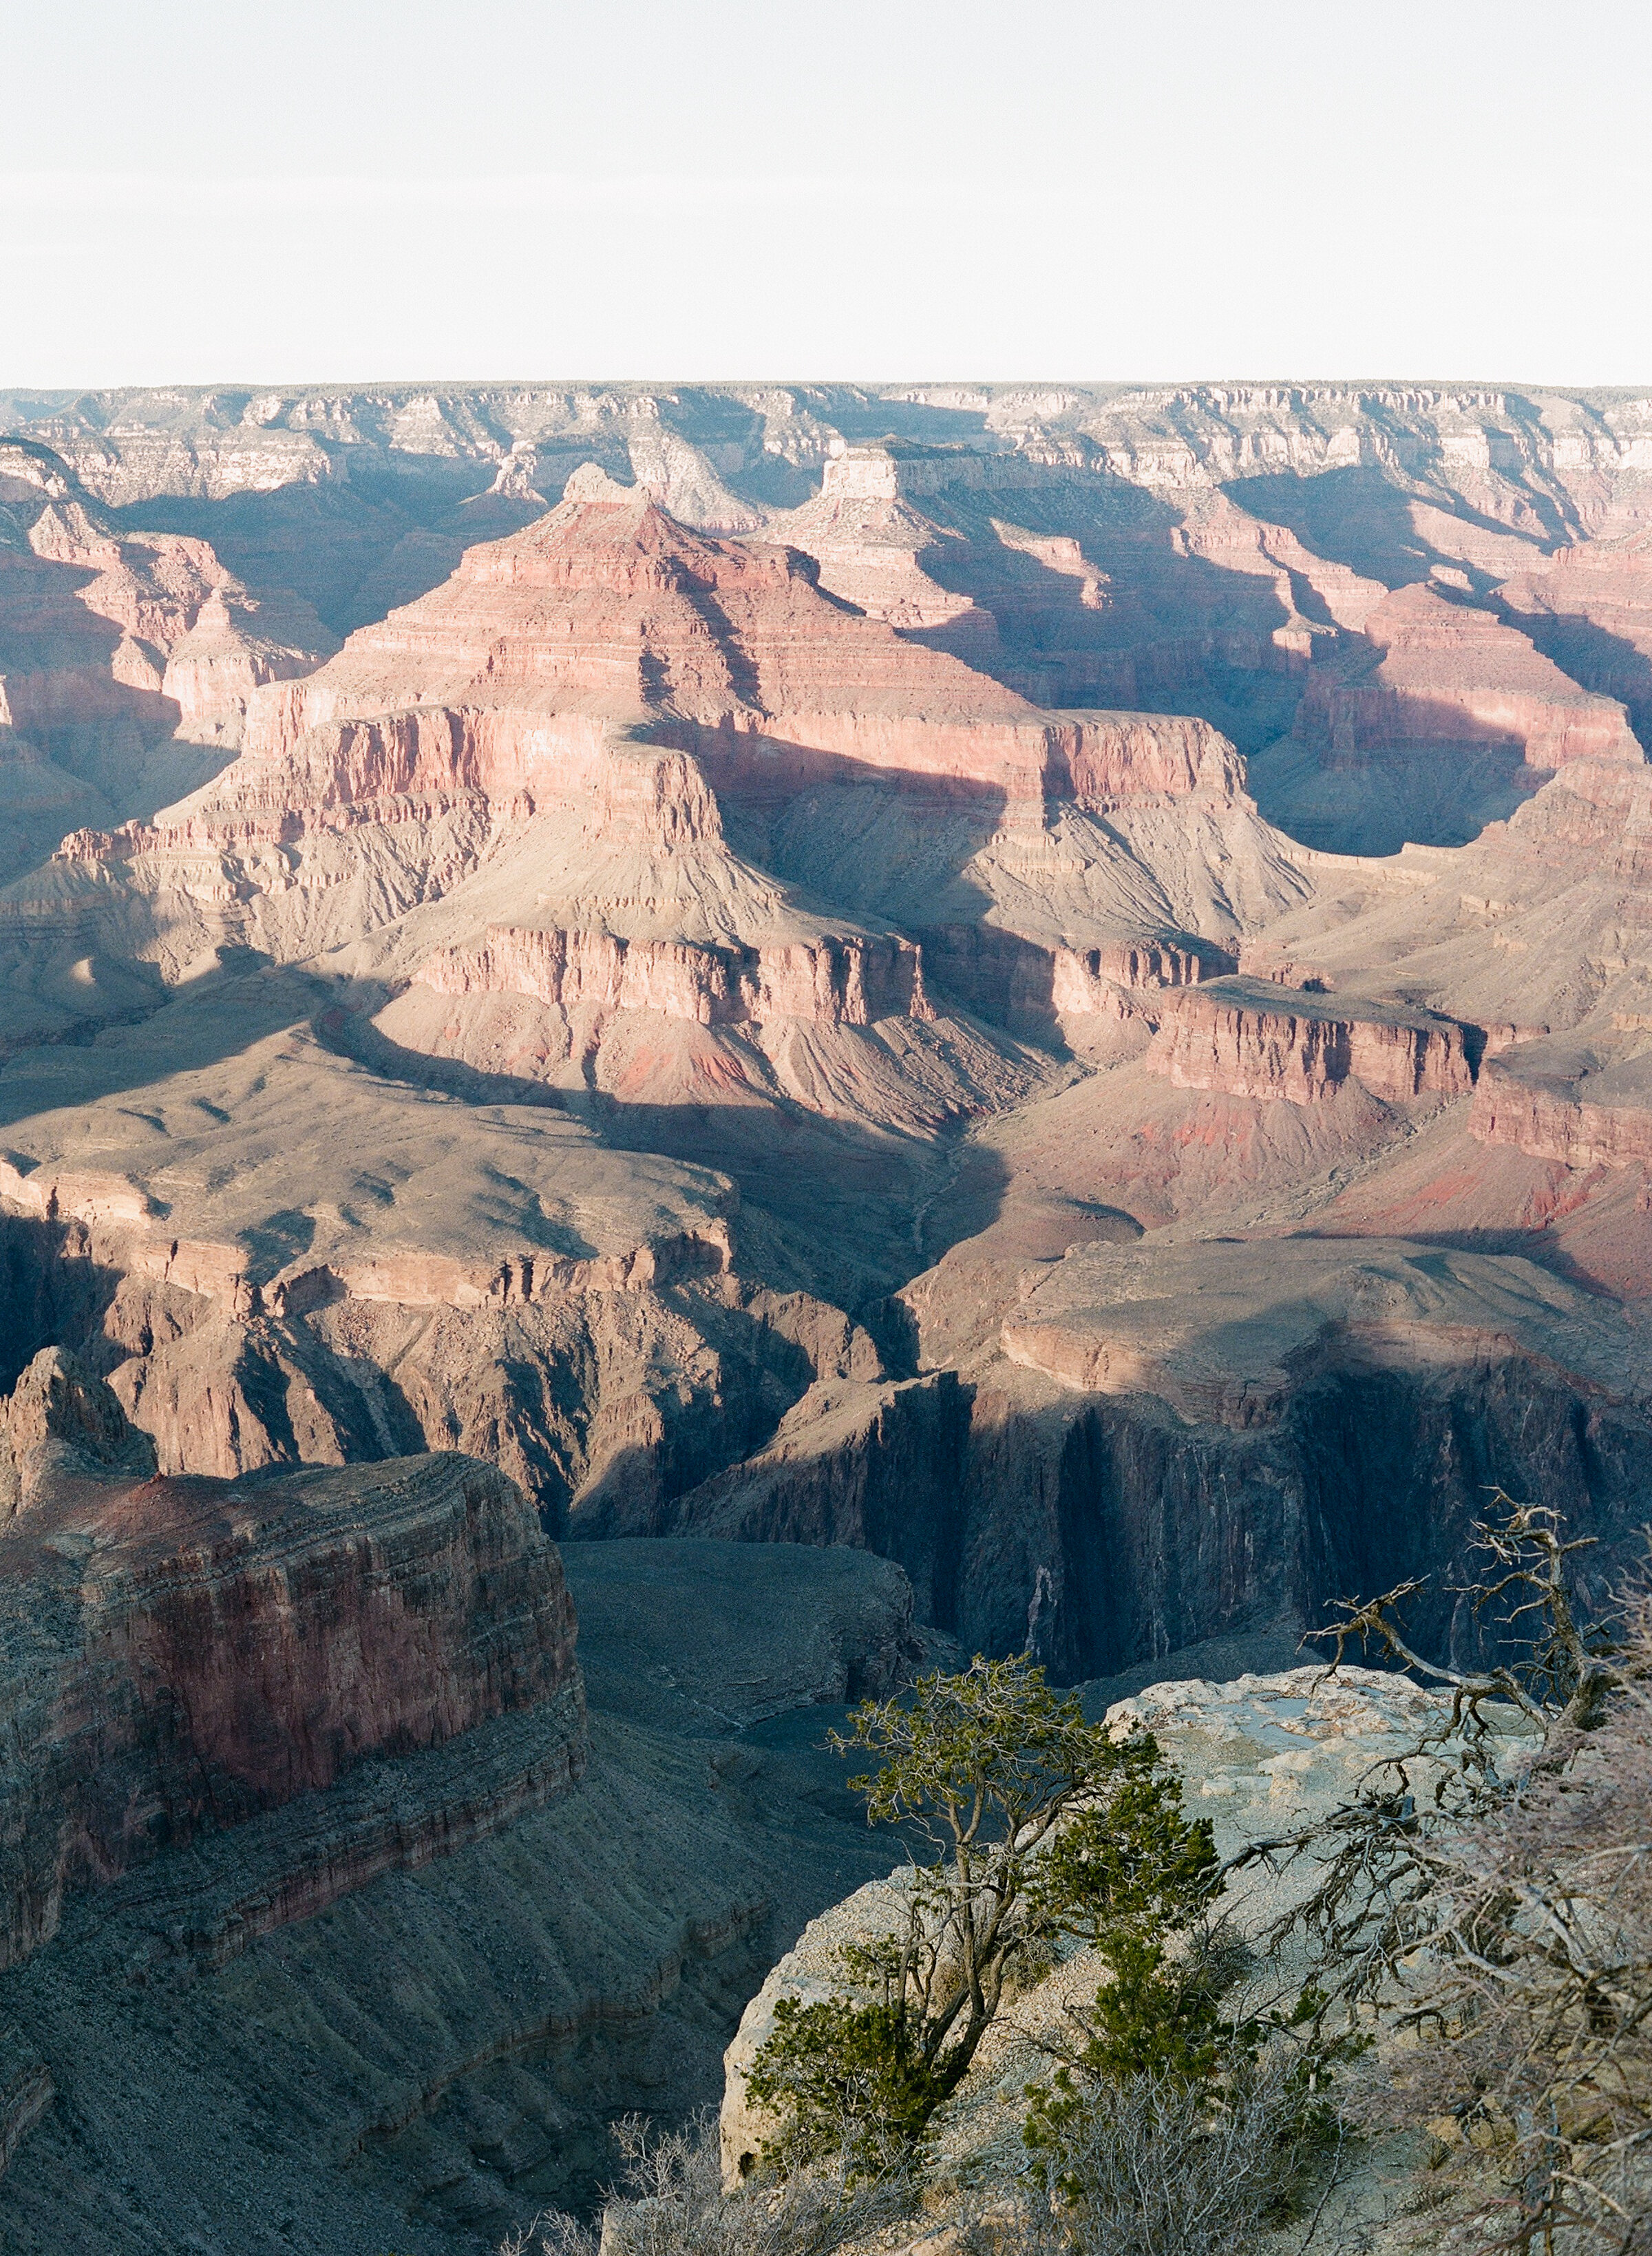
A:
(1596, 600)
(184, 1653)
(1446, 673)
(832, 982)
(1250, 1038)
(1085, 981)
(1567, 1105)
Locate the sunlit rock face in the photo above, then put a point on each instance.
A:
(969, 1017)
(769, 869)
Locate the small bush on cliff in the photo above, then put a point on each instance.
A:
(669, 2201)
(1163, 2165)
(1030, 1823)
(1169, 2124)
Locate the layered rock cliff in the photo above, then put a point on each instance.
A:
(1590, 608)
(839, 982)
(741, 1034)
(1587, 1108)
(1253, 1038)
(696, 844)
(184, 1654)
(1447, 673)
(116, 644)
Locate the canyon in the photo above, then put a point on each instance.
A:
(666, 1053)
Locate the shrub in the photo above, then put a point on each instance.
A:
(1160, 2166)
(1029, 1823)
(669, 2201)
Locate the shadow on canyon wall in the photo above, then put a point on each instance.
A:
(1356, 516)
(1104, 1531)
(354, 547)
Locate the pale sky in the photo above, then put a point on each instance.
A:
(345, 190)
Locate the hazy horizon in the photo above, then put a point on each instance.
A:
(984, 192)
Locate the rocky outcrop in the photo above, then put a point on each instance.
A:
(1255, 1756)
(1085, 982)
(1138, 755)
(607, 619)
(1590, 608)
(1446, 674)
(26, 2091)
(725, 1635)
(184, 1655)
(836, 982)
(61, 1420)
(1252, 1038)
(145, 633)
(1584, 1107)
(384, 2070)
(1172, 1438)
(873, 1464)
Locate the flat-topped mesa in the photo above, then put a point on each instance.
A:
(1115, 756)
(182, 1655)
(1229, 1332)
(871, 544)
(113, 1222)
(1444, 672)
(1252, 1038)
(1557, 1099)
(1086, 981)
(834, 981)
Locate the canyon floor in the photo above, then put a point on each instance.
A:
(850, 1023)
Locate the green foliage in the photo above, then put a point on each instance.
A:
(1129, 1864)
(838, 2070)
(1032, 1824)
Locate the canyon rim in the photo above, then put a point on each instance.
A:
(667, 1051)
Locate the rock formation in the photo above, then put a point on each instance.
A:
(1013, 1013)
(1446, 674)
(118, 649)
(378, 2010)
(1265, 1754)
(1589, 608)
(184, 1654)
(1254, 1038)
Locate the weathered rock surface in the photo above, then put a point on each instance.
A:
(428, 2058)
(847, 982)
(1253, 1038)
(724, 1636)
(1589, 608)
(721, 1002)
(1438, 718)
(61, 1420)
(1446, 673)
(1563, 1101)
(118, 651)
(642, 839)
(184, 1655)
